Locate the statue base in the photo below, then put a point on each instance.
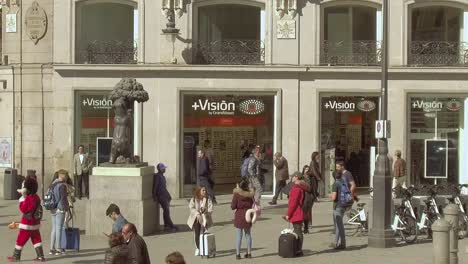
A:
(128, 187)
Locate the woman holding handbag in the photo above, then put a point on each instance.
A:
(199, 219)
(242, 201)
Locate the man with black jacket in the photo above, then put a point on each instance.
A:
(162, 196)
(137, 249)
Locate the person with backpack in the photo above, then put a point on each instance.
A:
(342, 198)
(295, 214)
(30, 207)
(57, 202)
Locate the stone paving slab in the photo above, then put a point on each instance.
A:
(265, 240)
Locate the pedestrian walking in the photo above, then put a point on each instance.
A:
(342, 198)
(162, 196)
(113, 212)
(200, 219)
(82, 165)
(309, 198)
(282, 174)
(255, 173)
(204, 175)
(175, 258)
(138, 251)
(61, 207)
(295, 214)
(399, 171)
(30, 207)
(315, 175)
(346, 175)
(242, 200)
(118, 252)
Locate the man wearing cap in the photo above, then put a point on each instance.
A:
(162, 196)
(113, 211)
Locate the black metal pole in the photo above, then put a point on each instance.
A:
(380, 234)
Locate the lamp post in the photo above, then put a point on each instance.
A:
(380, 234)
(170, 8)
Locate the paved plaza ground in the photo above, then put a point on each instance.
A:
(265, 240)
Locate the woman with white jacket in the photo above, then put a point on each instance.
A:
(199, 219)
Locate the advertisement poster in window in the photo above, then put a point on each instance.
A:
(103, 149)
(6, 152)
(436, 158)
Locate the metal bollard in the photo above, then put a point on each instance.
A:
(451, 212)
(440, 241)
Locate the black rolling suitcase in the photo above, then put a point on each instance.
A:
(287, 245)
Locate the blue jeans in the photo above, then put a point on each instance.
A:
(340, 238)
(58, 220)
(248, 239)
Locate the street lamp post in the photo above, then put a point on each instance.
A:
(380, 234)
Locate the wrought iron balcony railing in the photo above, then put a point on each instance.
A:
(230, 52)
(108, 52)
(438, 53)
(351, 53)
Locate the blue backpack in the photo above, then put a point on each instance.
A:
(345, 198)
(245, 167)
(50, 202)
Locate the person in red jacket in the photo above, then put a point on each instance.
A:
(30, 207)
(295, 213)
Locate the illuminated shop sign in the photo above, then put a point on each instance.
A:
(436, 106)
(345, 106)
(103, 103)
(366, 106)
(222, 107)
(454, 105)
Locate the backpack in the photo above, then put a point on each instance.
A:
(345, 197)
(36, 214)
(50, 201)
(245, 167)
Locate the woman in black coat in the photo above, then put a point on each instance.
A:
(118, 252)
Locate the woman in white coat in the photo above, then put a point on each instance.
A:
(199, 219)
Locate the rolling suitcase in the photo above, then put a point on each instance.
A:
(287, 245)
(70, 239)
(207, 245)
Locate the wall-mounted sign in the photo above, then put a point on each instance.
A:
(10, 20)
(454, 105)
(345, 106)
(6, 152)
(36, 22)
(429, 106)
(286, 29)
(436, 158)
(366, 105)
(252, 107)
(94, 103)
(382, 129)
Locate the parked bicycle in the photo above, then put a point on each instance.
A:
(356, 220)
(462, 217)
(404, 219)
(431, 212)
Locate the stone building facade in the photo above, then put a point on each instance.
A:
(289, 75)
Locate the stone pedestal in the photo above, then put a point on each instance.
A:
(131, 190)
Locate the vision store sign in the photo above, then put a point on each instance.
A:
(337, 105)
(436, 106)
(250, 107)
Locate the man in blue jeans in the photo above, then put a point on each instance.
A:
(338, 209)
(162, 196)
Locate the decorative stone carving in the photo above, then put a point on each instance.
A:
(286, 6)
(36, 22)
(169, 6)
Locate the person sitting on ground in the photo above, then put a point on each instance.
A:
(113, 211)
(118, 252)
(295, 214)
(199, 220)
(138, 251)
(242, 200)
(175, 258)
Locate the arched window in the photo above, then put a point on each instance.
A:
(437, 35)
(106, 32)
(351, 35)
(230, 34)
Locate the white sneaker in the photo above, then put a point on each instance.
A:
(197, 252)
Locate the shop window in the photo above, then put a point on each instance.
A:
(227, 126)
(443, 118)
(347, 134)
(94, 118)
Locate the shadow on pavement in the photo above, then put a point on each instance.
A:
(232, 252)
(91, 261)
(87, 253)
(7, 215)
(231, 222)
(331, 250)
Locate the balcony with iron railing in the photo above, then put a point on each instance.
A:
(230, 52)
(108, 52)
(350, 53)
(438, 53)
